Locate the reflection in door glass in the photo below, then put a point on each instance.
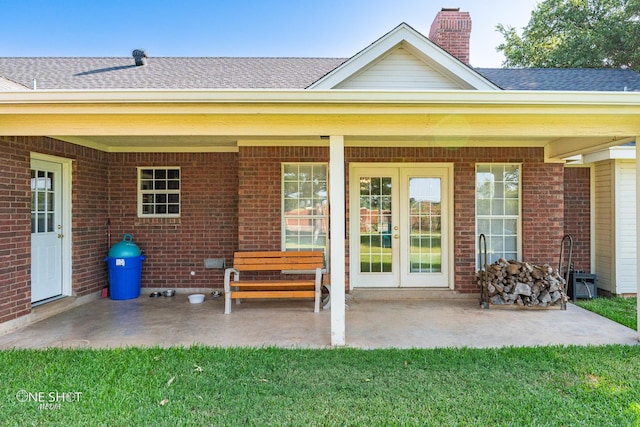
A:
(425, 218)
(375, 224)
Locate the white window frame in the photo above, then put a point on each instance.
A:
(491, 254)
(311, 217)
(166, 191)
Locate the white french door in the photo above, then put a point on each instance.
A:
(400, 225)
(46, 230)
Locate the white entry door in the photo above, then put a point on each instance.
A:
(399, 226)
(46, 230)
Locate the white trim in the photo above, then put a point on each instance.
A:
(150, 99)
(638, 235)
(449, 199)
(67, 241)
(166, 192)
(592, 205)
(519, 233)
(623, 153)
(421, 46)
(337, 233)
(312, 217)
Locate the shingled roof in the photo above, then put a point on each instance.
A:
(166, 73)
(578, 79)
(85, 73)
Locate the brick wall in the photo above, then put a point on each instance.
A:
(259, 204)
(541, 192)
(207, 227)
(15, 229)
(577, 215)
(542, 212)
(260, 192)
(226, 195)
(89, 213)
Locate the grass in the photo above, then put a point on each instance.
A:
(551, 386)
(618, 309)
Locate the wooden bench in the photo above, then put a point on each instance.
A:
(235, 288)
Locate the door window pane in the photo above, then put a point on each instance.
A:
(375, 224)
(42, 201)
(425, 209)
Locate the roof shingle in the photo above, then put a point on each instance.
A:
(89, 73)
(167, 73)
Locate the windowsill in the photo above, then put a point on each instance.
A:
(158, 221)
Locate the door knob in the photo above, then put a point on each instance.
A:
(60, 236)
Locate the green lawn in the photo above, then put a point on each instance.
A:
(556, 386)
(621, 310)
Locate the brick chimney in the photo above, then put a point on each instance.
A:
(451, 30)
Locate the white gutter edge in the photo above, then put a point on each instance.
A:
(301, 96)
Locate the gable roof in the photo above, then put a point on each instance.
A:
(435, 60)
(572, 79)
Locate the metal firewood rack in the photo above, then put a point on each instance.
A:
(484, 277)
(567, 241)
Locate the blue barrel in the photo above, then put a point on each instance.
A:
(125, 269)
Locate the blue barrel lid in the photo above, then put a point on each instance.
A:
(125, 249)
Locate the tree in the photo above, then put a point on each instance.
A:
(576, 34)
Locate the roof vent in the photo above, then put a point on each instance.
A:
(139, 56)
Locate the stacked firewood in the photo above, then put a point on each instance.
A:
(523, 284)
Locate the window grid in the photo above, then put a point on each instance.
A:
(498, 210)
(159, 191)
(375, 224)
(425, 219)
(304, 206)
(42, 201)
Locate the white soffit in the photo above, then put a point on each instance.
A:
(626, 152)
(384, 56)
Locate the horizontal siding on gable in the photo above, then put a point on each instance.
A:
(399, 70)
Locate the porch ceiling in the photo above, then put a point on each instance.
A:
(564, 123)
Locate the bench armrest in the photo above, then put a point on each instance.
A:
(227, 278)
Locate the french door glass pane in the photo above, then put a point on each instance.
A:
(425, 219)
(375, 224)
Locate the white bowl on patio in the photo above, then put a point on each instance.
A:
(196, 298)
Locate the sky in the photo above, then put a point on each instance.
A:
(294, 28)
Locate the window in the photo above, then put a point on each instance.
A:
(304, 203)
(159, 192)
(498, 210)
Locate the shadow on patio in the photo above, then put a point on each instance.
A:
(173, 321)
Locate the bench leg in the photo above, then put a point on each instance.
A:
(227, 303)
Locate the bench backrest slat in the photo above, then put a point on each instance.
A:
(274, 261)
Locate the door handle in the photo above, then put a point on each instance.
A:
(395, 236)
(60, 235)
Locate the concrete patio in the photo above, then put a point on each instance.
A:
(371, 323)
